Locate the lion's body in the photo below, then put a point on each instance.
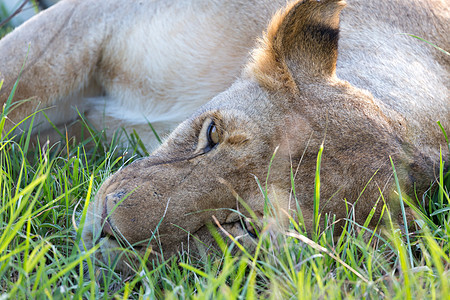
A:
(126, 64)
(379, 97)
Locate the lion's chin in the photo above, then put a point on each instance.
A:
(128, 259)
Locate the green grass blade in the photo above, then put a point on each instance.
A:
(402, 206)
(316, 220)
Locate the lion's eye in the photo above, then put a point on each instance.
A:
(212, 135)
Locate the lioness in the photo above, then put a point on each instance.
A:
(380, 97)
(296, 93)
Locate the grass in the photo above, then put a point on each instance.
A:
(43, 190)
(44, 193)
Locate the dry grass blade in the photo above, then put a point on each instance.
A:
(15, 13)
(317, 247)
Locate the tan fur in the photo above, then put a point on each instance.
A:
(123, 64)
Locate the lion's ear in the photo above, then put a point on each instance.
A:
(300, 44)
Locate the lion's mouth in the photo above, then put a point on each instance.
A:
(111, 236)
(237, 228)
